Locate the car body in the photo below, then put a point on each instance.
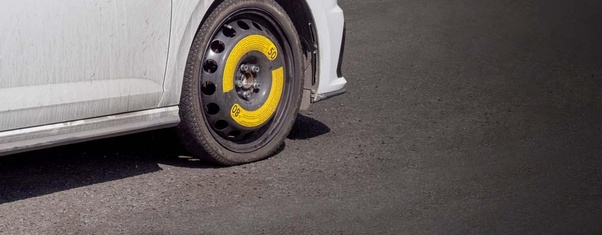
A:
(72, 71)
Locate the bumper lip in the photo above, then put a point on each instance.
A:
(328, 95)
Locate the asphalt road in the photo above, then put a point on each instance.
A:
(468, 116)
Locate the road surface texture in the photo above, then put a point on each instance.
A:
(467, 116)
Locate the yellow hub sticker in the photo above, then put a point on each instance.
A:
(262, 44)
(264, 113)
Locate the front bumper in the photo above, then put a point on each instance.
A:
(330, 26)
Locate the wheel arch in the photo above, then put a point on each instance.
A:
(187, 18)
(302, 18)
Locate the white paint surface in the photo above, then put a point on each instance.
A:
(55, 54)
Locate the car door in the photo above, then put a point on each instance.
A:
(64, 60)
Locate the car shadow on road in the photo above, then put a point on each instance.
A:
(57, 169)
(48, 171)
(306, 128)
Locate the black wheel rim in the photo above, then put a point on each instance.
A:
(245, 80)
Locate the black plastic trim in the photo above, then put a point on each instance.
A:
(340, 65)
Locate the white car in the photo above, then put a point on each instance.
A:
(230, 75)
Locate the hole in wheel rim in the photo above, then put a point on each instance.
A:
(210, 66)
(221, 124)
(257, 26)
(208, 88)
(218, 46)
(229, 32)
(213, 109)
(243, 25)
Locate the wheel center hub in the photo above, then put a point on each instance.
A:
(247, 81)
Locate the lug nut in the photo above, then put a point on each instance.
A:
(256, 69)
(239, 83)
(244, 68)
(246, 94)
(256, 85)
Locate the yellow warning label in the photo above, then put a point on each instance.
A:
(264, 113)
(244, 46)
